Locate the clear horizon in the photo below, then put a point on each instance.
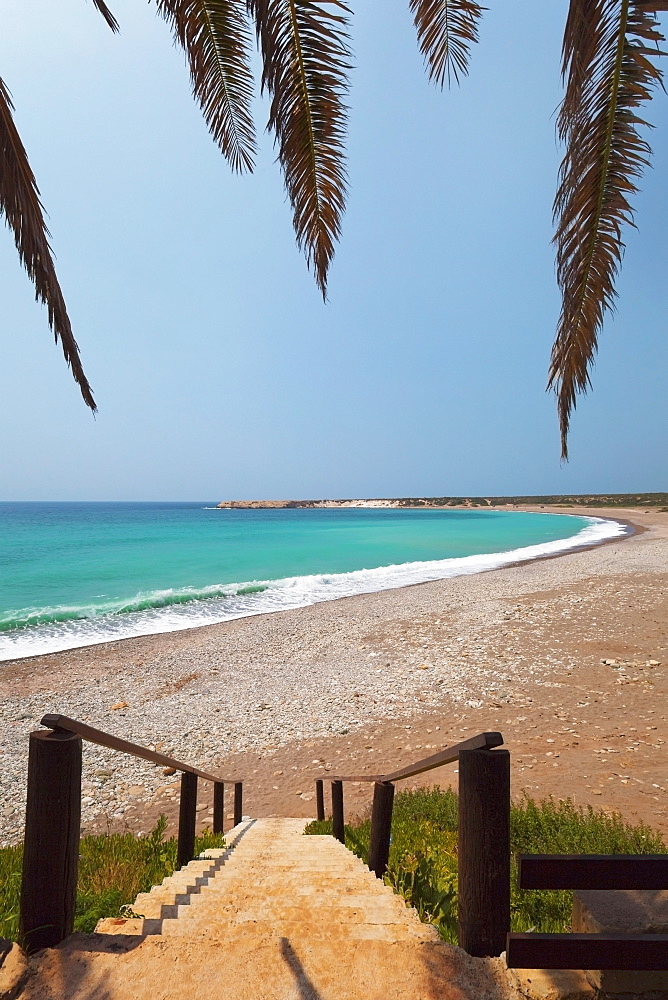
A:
(407, 496)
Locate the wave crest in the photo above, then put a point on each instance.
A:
(32, 632)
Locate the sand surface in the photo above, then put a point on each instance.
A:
(368, 683)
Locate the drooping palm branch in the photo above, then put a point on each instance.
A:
(610, 72)
(306, 59)
(608, 52)
(216, 36)
(21, 206)
(446, 29)
(106, 14)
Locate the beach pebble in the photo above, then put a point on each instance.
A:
(259, 684)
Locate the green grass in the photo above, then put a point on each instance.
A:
(423, 853)
(11, 859)
(113, 868)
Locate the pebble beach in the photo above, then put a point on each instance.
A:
(543, 651)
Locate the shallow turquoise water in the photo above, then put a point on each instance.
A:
(75, 573)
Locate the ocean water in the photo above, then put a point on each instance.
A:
(76, 574)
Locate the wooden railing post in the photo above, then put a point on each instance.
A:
(218, 806)
(319, 799)
(51, 848)
(187, 818)
(238, 802)
(337, 811)
(484, 851)
(381, 827)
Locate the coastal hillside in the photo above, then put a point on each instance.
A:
(659, 500)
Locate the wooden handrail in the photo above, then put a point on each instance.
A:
(53, 816)
(483, 741)
(484, 833)
(61, 723)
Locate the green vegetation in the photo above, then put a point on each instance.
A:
(659, 500)
(113, 868)
(11, 859)
(423, 853)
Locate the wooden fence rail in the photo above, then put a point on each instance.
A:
(592, 871)
(621, 952)
(53, 822)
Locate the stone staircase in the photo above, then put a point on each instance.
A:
(274, 916)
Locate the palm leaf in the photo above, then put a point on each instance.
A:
(20, 204)
(106, 14)
(608, 65)
(446, 29)
(306, 59)
(216, 37)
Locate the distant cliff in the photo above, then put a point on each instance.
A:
(581, 500)
(272, 504)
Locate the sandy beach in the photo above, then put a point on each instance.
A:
(565, 656)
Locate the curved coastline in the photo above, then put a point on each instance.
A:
(542, 651)
(297, 592)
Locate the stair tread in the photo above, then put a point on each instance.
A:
(274, 915)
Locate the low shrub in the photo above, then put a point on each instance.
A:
(113, 869)
(423, 853)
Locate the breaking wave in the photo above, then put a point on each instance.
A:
(35, 631)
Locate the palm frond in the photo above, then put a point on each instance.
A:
(106, 14)
(306, 59)
(20, 204)
(608, 52)
(216, 37)
(446, 30)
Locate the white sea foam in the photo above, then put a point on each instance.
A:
(178, 612)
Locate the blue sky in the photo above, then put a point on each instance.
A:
(218, 371)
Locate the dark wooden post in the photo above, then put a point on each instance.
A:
(337, 811)
(484, 851)
(381, 827)
(319, 799)
(187, 818)
(51, 849)
(218, 806)
(238, 802)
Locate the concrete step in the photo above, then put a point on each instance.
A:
(294, 929)
(263, 966)
(274, 915)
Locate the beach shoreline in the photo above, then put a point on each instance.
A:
(165, 629)
(373, 681)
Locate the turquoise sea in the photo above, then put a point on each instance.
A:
(75, 574)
